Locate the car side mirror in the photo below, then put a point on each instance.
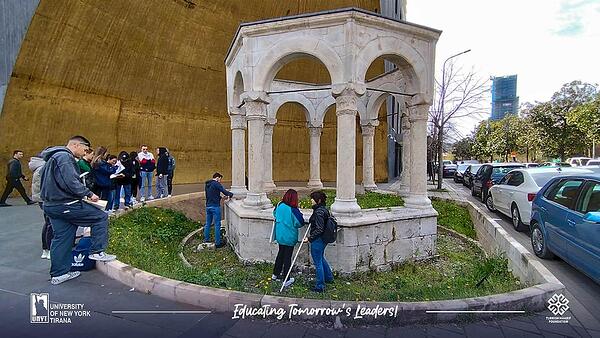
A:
(592, 217)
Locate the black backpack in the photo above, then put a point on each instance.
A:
(330, 231)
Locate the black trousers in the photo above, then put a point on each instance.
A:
(283, 262)
(170, 183)
(135, 183)
(47, 232)
(14, 184)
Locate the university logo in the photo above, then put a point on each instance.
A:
(78, 260)
(38, 308)
(558, 304)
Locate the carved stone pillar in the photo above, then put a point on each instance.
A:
(315, 157)
(238, 156)
(346, 104)
(406, 161)
(368, 134)
(417, 197)
(256, 115)
(269, 185)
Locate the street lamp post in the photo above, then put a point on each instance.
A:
(441, 120)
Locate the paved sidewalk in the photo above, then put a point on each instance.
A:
(22, 272)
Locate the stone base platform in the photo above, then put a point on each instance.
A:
(375, 239)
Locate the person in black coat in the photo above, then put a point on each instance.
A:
(162, 172)
(135, 179)
(317, 221)
(123, 181)
(14, 174)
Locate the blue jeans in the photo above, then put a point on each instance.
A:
(107, 194)
(65, 219)
(146, 190)
(213, 213)
(161, 186)
(322, 269)
(126, 191)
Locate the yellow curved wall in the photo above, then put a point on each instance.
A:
(124, 73)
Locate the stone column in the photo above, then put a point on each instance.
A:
(346, 104)
(315, 157)
(256, 114)
(417, 197)
(269, 185)
(238, 156)
(405, 175)
(368, 134)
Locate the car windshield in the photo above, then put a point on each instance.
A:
(584, 161)
(533, 165)
(503, 170)
(475, 167)
(592, 162)
(462, 167)
(543, 178)
(447, 162)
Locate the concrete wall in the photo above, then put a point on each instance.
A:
(124, 73)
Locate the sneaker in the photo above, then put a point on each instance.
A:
(220, 245)
(142, 199)
(289, 282)
(5, 205)
(45, 254)
(31, 202)
(169, 195)
(275, 277)
(63, 278)
(102, 256)
(150, 198)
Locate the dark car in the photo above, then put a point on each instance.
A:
(565, 221)
(469, 173)
(460, 172)
(488, 175)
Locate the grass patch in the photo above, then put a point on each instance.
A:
(367, 200)
(455, 217)
(148, 238)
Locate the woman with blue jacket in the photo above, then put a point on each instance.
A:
(288, 219)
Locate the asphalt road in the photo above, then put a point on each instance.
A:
(582, 292)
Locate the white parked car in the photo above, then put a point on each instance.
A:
(513, 195)
(578, 161)
(592, 162)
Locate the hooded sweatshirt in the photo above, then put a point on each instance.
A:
(162, 165)
(147, 162)
(213, 190)
(60, 181)
(35, 165)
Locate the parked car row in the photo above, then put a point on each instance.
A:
(559, 205)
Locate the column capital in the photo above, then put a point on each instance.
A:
(237, 121)
(367, 130)
(269, 129)
(350, 88)
(372, 123)
(421, 99)
(255, 96)
(271, 122)
(315, 131)
(418, 112)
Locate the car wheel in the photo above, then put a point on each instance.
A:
(489, 203)
(516, 218)
(539, 243)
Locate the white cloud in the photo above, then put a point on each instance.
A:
(545, 42)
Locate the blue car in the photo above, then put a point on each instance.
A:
(565, 221)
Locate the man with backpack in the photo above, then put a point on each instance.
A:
(323, 230)
(62, 193)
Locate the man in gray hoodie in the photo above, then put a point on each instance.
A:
(62, 193)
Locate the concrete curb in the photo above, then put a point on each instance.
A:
(531, 299)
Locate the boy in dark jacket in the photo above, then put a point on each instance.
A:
(213, 190)
(162, 172)
(123, 181)
(14, 175)
(317, 245)
(104, 183)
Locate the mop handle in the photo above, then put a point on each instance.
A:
(295, 257)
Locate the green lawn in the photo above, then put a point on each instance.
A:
(148, 238)
(367, 200)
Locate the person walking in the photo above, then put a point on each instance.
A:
(317, 222)
(147, 166)
(135, 179)
(213, 190)
(170, 172)
(62, 193)
(124, 182)
(162, 166)
(36, 163)
(288, 219)
(14, 174)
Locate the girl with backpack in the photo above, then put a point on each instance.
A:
(288, 219)
(318, 221)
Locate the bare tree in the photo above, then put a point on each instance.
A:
(458, 95)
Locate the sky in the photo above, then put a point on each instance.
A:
(546, 43)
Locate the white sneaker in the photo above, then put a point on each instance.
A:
(169, 196)
(102, 256)
(63, 278)
(150, 198)
(45, 254)
(274, 277)
(289, 282)
(142, 199)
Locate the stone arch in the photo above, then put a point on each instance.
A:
(289, 49)
(409, 61)
(238, 89)
(322, 109)
(300, 99)
(378, 98)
